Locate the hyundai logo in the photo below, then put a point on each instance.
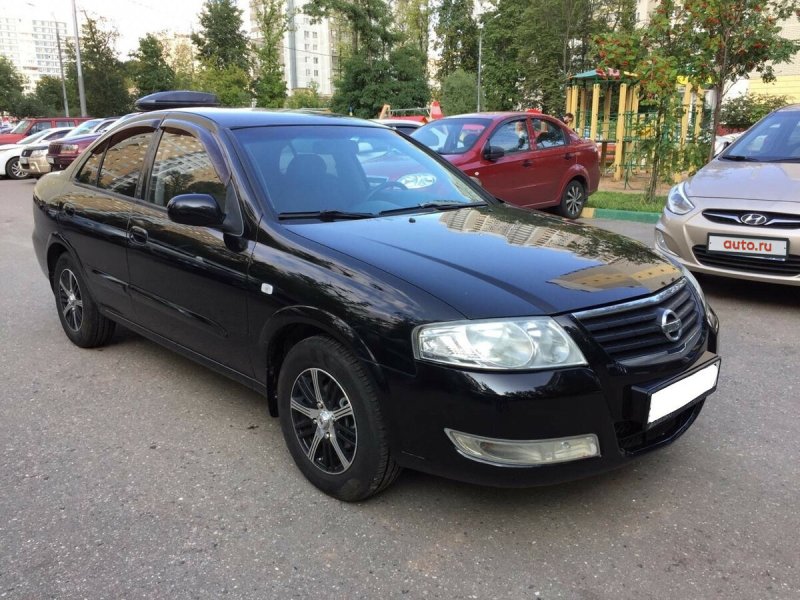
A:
(670, 324)
(753, 219)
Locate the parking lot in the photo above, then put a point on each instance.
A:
(130, 472)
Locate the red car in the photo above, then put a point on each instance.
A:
(527, 159)
(28, 127)
(60, 154)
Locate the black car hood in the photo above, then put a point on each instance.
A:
(500, 261)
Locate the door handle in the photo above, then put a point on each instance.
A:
(527, 163)
(69, 209)
(569, 156)
(138, 235)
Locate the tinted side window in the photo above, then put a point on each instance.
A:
(89, 170)
(65, 123)
(511, 137)
(182, 166)
(124, 161)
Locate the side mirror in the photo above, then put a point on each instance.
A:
(493, 153)
(195, 209)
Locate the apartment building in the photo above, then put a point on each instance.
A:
(31, 44)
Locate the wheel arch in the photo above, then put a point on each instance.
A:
(291, 325)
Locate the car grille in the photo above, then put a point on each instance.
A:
(631, 333)
(734, 217)
(54, 148)
(789, 266)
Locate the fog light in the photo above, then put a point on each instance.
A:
(662, 243)
(524, 452)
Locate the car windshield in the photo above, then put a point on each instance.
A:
(451, 136)
(774, 139)
(84, 127)
(332, 172)
(21, 127)
(32, 138)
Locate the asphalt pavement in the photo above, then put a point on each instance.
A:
(130, 472)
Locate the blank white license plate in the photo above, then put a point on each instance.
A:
(734, 244)
(677, 395)
(51, 160)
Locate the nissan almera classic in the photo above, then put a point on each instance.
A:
(393, 313)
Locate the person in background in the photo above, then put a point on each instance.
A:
(568, 119)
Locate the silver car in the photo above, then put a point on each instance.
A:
(739, 216)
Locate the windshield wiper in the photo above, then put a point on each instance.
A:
(324, 215)
(740, 158)
(436, 205)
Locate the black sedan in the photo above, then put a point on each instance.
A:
(392, 312)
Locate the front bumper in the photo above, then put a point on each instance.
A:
(35, 165)
(610, 404)
(685, 238)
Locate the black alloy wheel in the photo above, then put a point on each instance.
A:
(331, 420)
(572, 200)
(77, 311)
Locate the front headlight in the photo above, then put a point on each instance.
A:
(69, 148)
(506, 344)
(38, 153)
(677, 200)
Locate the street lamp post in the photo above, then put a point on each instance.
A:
(480, 61)
(81, 92)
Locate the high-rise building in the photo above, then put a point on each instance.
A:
(31, 44)
(307, 50)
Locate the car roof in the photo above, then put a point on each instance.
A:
(498, 115)
(235, 118)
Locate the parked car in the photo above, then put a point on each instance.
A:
(61, 154)
(739, 216)
(33, 158)
(28, 127)
(10, 153)
(430, 327)
(526, 159)
(407, 126)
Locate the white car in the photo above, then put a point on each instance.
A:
(10, 153)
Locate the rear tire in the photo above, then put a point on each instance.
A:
(331, 421)
(572, 200)
(14, 171)
(77, 311)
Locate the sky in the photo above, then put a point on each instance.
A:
(132, 18)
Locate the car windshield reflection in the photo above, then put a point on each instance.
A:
(335, 172)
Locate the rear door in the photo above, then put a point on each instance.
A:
(552, 159)
(94, 214)
(188, 282)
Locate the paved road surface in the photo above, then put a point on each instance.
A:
(129, 472)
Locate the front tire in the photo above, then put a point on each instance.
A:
(77, 311)
(14, 171)
(572, 200)
(332, 422)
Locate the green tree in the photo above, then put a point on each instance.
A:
(221, 43)
(231, 85)
(150, 70)
(729, 39)
(368, 24)
(459, 93)
(28, 105)
(49, 93)
(743, 111)
(269, 86)
(306, 98)
(413, 19)
(457, 37)
(103, 74)
(11, 84)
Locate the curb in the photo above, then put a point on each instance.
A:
(620, 215)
